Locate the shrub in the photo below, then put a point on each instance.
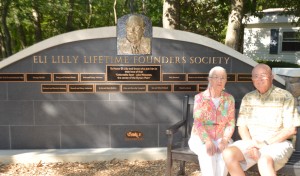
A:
(280, 64)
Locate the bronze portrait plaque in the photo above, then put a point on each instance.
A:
(244, 77)
(185, 88)
(65, 77)
(174, 77)
(197, 77)
(38, 77)
(12, 77)
(134, 35)
(133, 73)
(81, 88)
(92, 77)
(133, 88)
(160, 88)
(107, 88)
(54, 88)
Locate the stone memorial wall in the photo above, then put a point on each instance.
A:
(75, 91)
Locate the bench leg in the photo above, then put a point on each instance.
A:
(181, 168)
(169, 166)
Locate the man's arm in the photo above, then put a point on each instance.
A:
(283, 135)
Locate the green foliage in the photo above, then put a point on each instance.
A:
(30, 21)
(280, 64)
(206, 17)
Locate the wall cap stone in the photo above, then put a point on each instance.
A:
(291, 72)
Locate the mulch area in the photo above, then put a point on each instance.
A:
(113, 167)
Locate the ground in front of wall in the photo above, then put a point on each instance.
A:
(113, 167)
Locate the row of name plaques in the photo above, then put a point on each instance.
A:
(117, 77)
(129, 88)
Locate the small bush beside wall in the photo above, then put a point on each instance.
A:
(280, 64)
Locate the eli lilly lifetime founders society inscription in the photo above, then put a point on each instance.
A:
(122, 74)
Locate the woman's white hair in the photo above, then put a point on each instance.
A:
(216, 68)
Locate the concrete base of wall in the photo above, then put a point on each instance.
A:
(81, 155)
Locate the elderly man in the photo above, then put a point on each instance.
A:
(135, 42)
(266, 121)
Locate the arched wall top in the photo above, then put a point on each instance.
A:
(109, 32)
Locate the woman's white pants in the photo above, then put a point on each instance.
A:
(209, 165)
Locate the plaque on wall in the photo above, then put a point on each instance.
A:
(174, 77)
(160, 88)
(133, 88)
(185, 88)
(54, 88)
(92, 77)
(12, 77)
(38, 77)
(107, 88)
(81, 88)
(202, 87)
(244, 77)
(197, 77)
(132, 73)
(65, 77)
(231, 77)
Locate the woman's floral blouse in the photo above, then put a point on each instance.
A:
(211, 122)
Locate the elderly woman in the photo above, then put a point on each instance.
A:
(214, 123)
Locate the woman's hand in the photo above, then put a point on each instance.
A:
(210, 147)
(222, 145)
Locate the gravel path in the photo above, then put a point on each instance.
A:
(98, 168)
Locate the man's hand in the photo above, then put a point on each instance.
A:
(253, 153)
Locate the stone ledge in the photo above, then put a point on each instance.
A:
(291, 72)
(81, 155)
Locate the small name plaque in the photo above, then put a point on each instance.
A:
(231, 77)
(185, 88)
(133, 88)
(202, 87)
(197, 77)
(38, 77)
(63, 77)
(81, 88)
(159, 88)
(12, 77)
(107, 88)
(244, 77)
(54, 88)
(133, 73)
(92, 77)
(174, 77)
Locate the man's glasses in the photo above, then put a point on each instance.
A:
(261, 76)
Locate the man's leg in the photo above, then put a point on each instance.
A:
(266, 166)
(232, 157)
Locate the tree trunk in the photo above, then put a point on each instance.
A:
(234, 24)
(21, 32)
(90, 12)
(37, 22)
(115, 12)
(69, 25)
(6, 34)
(171, 14)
